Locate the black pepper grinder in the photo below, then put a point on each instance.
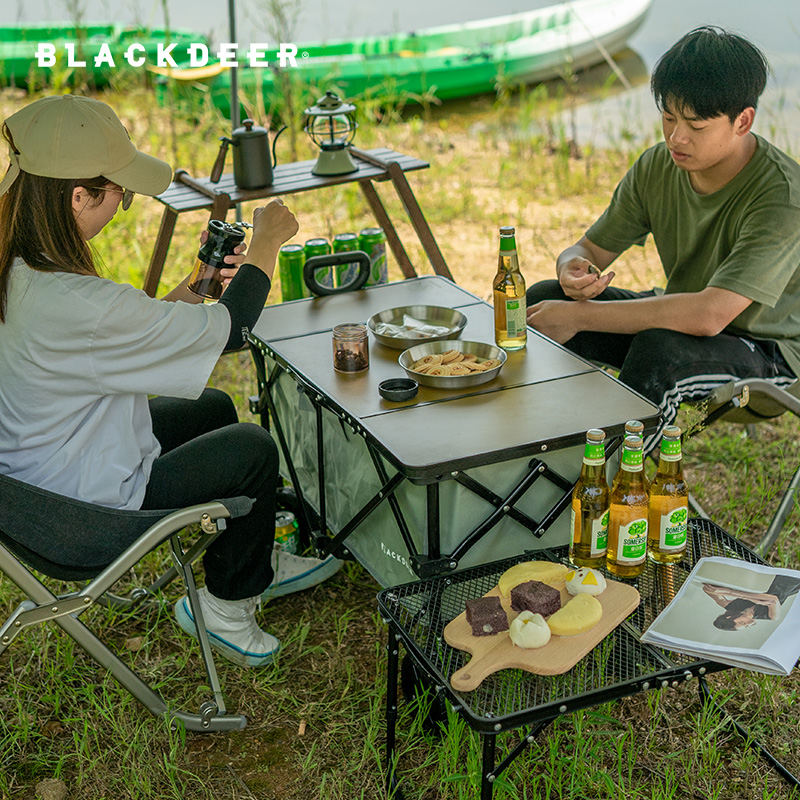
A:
(206, 280)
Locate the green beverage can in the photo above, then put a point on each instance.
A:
(286, 534)
(320, 247)
(291, 258)
(373, 242)
(345, 243)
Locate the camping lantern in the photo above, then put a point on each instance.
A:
(331, 125)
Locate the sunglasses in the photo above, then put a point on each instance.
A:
(127, 195)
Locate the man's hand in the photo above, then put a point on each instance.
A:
(554, 318)
(581, 279)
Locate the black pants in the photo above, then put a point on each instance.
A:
(668, 367)
(207, 454)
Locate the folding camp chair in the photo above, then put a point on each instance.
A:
(748, 402)
(25, 508)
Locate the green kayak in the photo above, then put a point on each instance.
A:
(444, 62)
(19, 65)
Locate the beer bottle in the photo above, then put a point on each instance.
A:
(669, 502)
(508, 287)
(634, 428)
(587, 547)
(627, 524)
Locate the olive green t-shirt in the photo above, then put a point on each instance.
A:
(744, 237)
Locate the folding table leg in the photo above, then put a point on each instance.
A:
(707, 699)
(487, 770)
(392, 785)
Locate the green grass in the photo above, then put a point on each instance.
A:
(316, 716)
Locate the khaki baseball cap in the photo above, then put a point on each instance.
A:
(67, 136)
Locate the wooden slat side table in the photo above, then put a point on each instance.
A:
(187, 193)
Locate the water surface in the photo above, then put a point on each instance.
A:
(774, 25)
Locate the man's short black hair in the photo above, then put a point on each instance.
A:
(710, 72)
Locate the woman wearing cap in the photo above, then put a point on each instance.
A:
(79, 355)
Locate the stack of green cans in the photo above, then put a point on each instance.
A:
(292, 259)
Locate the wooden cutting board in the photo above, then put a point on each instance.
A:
(490, 654)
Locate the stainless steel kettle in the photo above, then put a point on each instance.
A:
(252, 165)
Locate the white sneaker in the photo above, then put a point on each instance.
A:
(296, 573)
(232, 628)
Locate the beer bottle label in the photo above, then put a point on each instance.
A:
(598, 530)
(595, 454)
(632, 544)
(515, 317)
(631, 460)
(671, 449)
(600, 535)
(672, 530)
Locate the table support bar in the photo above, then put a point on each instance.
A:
(707, 699)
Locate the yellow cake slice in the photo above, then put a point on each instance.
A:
(579, 615)
(545, 571)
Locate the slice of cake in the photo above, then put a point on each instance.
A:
(486, 616)
(536, 597)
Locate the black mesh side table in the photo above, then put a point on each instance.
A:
(619, 666)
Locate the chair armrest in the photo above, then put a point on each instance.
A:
(159, 532)
(238, 506)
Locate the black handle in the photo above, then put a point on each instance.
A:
(335, 260)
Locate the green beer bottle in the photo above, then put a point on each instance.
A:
(590, 497)
(669, 502)
(627, 524)
(508, 288)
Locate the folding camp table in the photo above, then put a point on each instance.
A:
(619, 666)
(450, 478)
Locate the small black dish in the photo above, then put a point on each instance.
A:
(398, 389)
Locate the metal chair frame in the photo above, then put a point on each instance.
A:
(43, 605)
(748, 402)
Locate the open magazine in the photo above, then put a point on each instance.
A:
(736, 613)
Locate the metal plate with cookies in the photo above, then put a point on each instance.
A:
(421, 363)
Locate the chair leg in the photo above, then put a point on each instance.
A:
(206, 721)
(696, 508)
(785, 508)
(212, 715)
(185, 567)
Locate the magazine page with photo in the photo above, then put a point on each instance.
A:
(737, 613)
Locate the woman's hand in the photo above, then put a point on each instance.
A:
(236, 260)
(273, 224)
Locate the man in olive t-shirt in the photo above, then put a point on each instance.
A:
(723, 205)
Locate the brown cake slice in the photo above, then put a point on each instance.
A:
(486, 616)
(537, 597)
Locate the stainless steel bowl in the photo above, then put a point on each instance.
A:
(434, 315)
(481, 349)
